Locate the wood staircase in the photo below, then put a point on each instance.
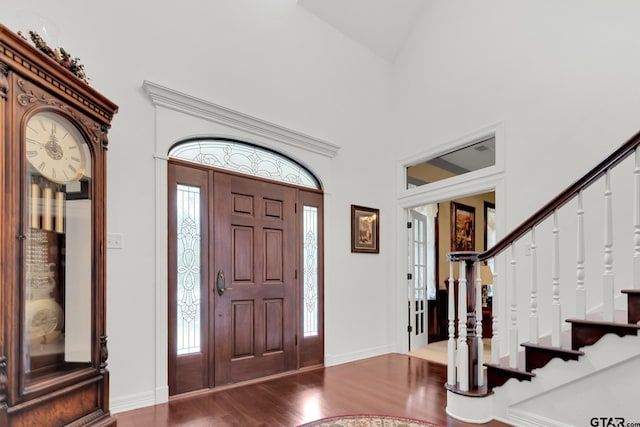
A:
(465, 376)
(582, 332)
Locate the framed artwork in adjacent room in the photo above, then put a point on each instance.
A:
(365, 229)
(463, 228)
(489, 225)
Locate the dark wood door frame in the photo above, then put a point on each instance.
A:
(193, 363)
(200, 369)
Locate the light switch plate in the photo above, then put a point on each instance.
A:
(114, 241)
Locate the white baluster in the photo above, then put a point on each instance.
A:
(581, 295)
(607, 280)
(451, 355)
(514, 345)
(495, 332)
(463, 348)
(556, 312)
(636, 224)
(479, 343)
(533, 314)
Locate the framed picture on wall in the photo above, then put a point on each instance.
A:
(463, 229)
(365, 229)
(489, 225)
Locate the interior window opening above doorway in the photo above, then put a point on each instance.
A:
(477, 155)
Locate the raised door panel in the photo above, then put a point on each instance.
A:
(273, 325)
(242, 243)
(243, 332)
(273, 256)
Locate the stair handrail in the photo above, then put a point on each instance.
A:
(563, 198)
(464, 378)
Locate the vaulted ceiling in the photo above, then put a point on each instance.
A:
(382, 26)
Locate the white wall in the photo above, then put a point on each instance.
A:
(561, 77)
(274, 61)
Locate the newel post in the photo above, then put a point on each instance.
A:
(469, 367)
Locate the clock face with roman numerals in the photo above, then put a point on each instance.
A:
(54, 148)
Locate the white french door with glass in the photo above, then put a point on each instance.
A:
(417, 280)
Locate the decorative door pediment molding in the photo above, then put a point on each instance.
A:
(187, 104)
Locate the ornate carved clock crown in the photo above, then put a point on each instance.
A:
(53, 143)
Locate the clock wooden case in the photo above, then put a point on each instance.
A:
(53, 142)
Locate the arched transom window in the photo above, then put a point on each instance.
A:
(244, 158)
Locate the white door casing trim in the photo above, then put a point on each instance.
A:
(480, 181)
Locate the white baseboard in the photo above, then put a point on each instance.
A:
(338, 359)
(132, 401)
(160, 395)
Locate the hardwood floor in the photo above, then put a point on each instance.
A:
(392, 384)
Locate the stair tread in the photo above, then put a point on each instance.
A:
(537, 355)
(604, 323)
(514, 371)
(552, 348)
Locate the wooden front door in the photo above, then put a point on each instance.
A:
(232, 278)
(254, 240)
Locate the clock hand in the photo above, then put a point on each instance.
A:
(33, 141)
(53, 149)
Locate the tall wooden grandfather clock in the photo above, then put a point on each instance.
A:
(53, 141)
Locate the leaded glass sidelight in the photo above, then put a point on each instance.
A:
(188, 262)
(310, 274)
(245, 158)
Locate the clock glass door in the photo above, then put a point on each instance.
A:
(57, 267)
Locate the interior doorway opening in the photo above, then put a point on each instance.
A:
(434, 230)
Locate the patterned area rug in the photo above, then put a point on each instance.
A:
(369, 421)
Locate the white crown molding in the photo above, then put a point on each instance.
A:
(178, 101)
